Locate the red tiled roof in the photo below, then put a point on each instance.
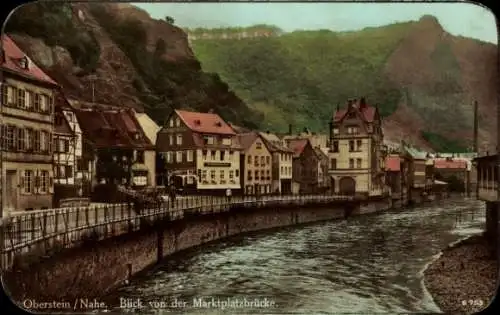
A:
(13, 55)
(454, 164)
(393, 163)
(297, 145)
(111, 128)
(367, 112)
(205, 122)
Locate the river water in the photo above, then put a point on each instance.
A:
(362, 265)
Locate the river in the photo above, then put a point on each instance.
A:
(361, 265)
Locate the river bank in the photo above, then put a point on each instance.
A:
(463, 279)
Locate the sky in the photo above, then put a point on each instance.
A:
(464, 19)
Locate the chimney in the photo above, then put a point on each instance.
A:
(289, 129)
(362, 103)
(476, 124)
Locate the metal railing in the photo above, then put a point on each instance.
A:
(45, 230)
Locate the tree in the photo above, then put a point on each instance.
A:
(169, 20)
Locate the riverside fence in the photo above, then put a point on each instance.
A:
(42, 233)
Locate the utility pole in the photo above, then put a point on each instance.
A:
(475, 146)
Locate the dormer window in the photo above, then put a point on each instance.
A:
(24, 63)
(218, 124)
(197, 122)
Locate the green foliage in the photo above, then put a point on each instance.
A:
(259, 27)
(169, 20)
(163, 85)
(305, 74)
(53, 23)
(442, 144)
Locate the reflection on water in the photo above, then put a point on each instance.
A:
(365, 264)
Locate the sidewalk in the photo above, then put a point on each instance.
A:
(463, 280)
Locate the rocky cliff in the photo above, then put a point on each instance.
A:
(116, 53)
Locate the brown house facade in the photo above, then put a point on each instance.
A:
(256, 164)
(305, 165)
(199, 152)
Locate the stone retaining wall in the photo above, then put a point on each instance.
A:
(94, 269)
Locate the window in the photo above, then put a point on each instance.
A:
(10, 137)
(258, 145)
(237, 173)
(28, 182)
(226, 141)
(358, 145)
(333, 164)
(256, 175)
(81, 164)
(282, 170)
(335, 146)
(21, 139)
(189, 156)
(212, 175)
(351, 145)
(179, 139)
(335, 131)
(21, 101)
(256, 161)
(351, 163)
(204, 153)
(44, 103)
(249, 159)
(140, 157)
(262, 160)
(358, 163)
(268, 174)
(36, 146)
(171, 122)
(221, 172)
(208, 139)
(68, 170)
(268, 159)
(204, 174)
(171, 139)
(222, 155)
(37, 102)
(30, 99)
(44, 138)
(44, 181)
(5, 94)
(249, 175)
(231, 174)
(30, 137)
(177, 122)
(178, 157)
(212, 155)
(230, 157)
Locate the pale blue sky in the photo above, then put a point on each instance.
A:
(463, 19)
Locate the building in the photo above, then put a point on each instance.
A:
(114, 146)
(64, 141)
(456, 172)
(26, 127)
(81, 169)
(201, 152)
(255, 164)
(282, 159)
(420, 174)
(305, 166)
(323, 176)
(357, 153)
(316, 139)
(150, 128)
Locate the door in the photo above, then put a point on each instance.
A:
(347, 186)
(11, 190)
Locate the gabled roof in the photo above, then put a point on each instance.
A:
(112, 128)
(297, 145)
(61, 124)
(14, 55)
(205, 122)
(393, 163)
(367, 111)
(247, 139)
(149, 126)
(274, 143)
